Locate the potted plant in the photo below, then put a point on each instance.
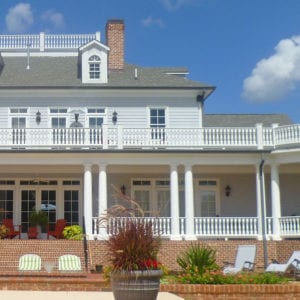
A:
(39, 219)
(133, 245)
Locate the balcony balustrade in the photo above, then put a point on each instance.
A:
(206, 227)
(118, 137)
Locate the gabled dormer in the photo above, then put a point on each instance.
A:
(94, 57)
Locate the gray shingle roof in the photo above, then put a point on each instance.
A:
(244, 120)
(64, 72)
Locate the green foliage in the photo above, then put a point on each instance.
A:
(197, 259)
(218, 277)
(38, 218)
(133, 246)
(74, 232)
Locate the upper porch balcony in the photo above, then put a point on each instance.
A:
(118, 137)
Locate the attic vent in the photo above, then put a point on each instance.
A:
(135, 73)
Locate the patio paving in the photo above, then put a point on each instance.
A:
(48, 295)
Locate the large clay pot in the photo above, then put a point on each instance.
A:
(136, 285)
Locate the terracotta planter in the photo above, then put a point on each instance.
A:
(136, 285)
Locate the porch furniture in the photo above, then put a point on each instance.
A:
(69, 262)
(58, 230)
(12, 232)
(32, 232)
(244, 261)
(30, 262)
(292, 264)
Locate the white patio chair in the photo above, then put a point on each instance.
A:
(69, 263)
(30, 262)
(244, 261)
(292, 264)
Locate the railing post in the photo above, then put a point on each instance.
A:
(42, 41)
(104, 136)
(259, 136)
(120, 137)
(274, 126)
(98, 36)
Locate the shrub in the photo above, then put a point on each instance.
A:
(74, 232)
(218, 277)
(197, 259)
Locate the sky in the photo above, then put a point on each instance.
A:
(248, 49)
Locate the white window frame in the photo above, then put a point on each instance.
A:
(97, 114)
(61, 113)
(97, 65)
(157, 107)
(18, 115)
(215, 188)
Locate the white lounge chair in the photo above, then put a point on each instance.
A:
(30, 262)
(244, 261)
(69, 262)
(292, 264)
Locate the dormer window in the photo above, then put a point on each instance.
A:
(94, 67)
(94, 62)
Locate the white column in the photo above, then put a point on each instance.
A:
(258, 203)
(88, 199)
(189, 204)
(276, 204)
(175, 234)
(102, 196)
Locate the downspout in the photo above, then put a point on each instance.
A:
(263, 212)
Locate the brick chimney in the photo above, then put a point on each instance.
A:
(115, 41)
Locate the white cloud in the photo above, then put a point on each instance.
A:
(275, 76)
(172, 5)
(148, 22)
(55, 18)
(19, 18)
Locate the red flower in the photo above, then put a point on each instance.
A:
(151, 264)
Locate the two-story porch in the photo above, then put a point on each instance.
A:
(210, 190)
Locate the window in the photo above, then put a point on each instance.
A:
(158, 123)
(59, 118)
(6, 204)
(157, 118)
(58, 122)
(94, 67)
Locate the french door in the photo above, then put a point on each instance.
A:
(37, 199)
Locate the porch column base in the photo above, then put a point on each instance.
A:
(276, 238)
(259, 237)
(175, 237)
(190, 238)
(102, 237)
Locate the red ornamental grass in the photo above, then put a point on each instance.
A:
(134, 246)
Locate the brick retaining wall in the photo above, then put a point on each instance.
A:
(226, 251)
(235, 292)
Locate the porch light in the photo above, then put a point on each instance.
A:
(114, 117)
(227, 191)
(38, 117)
(123, 189)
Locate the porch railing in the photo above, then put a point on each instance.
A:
(155, 138)
(226, 227)
(214, 227)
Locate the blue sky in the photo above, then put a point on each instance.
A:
(248, 49)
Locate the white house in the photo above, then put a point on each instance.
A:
(76, 120)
